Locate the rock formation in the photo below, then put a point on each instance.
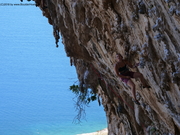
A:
(144, 31)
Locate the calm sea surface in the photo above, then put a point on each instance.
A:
(35, 77)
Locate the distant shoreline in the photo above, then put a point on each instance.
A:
(101, 132)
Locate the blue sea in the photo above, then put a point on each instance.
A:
(35, 77)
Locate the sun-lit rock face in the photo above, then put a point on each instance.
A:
(144, 31)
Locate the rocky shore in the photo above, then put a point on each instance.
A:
(101, 132)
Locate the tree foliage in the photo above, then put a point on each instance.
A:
(82, 100)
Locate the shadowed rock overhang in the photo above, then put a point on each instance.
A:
(145, 32)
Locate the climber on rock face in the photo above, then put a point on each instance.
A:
(123, 72)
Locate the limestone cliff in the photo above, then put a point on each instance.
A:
(144, 31)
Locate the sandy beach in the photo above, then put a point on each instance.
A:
(101, 132)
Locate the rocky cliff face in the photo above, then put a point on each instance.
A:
(144, 31)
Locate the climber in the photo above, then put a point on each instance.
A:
(123, 72)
